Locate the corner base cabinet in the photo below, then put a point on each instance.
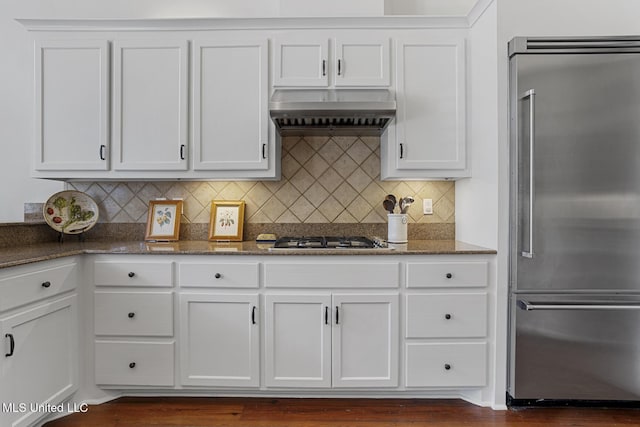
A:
(39, 365)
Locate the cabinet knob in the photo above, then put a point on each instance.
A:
(131, 274)
(46, 284)
(132, 365)
(447, 366)
(449, 275)
(131, 315)
(218, 275)
(447, 316)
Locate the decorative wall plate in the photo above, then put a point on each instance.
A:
(70, 212)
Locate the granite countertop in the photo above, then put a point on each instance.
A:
(17, 255)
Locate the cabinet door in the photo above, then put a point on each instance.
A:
(431, 102)
(362, 61)
(71, 105)
(365, 340)
(230, 105)
(220, 342)
(298, 341)
(301, 61)
(39, 365)
(150, 89)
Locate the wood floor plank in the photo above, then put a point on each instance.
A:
(269, 412)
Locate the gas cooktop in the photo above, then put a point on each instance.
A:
(324, 242)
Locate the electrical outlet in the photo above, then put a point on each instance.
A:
(427, 206)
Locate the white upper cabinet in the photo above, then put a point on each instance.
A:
(230, 105)
(430, 126)
(72, 102)
(301, 60)
(362, 61)
(150, 103)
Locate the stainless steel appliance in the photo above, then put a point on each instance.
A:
(322, 242)
(332, 111)
(575, 220)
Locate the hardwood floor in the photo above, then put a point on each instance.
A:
(264, 412)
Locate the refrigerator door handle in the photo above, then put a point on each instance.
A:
(532, 138)
(531, 306)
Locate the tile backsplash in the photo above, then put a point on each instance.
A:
(324, 180)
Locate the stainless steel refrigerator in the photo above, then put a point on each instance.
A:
(574, 288)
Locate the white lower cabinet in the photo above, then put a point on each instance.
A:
(446, 364)
(325, 340)
(134, 363)
(39, 333)
(219, 340)
(133, 306)
(446, 335)
(362, 325)
(39, 366)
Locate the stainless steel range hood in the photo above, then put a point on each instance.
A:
(332, 111)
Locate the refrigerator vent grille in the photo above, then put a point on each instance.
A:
(562, 45)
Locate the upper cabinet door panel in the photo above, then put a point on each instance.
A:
(362, 61)
(430, 122)
(230, 105)
(301, 61)
(150, 94)
(71, 105)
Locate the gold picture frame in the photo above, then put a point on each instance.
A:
(227, 220)
(163, 220)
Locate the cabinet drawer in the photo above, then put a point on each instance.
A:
(447, 274)
(332, 275)
(446, 315)
(134, 363)
(219, 275)
(118, 273)
(446, 365)
(133, 313)
(25, 288)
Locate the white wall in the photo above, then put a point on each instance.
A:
(477, 197)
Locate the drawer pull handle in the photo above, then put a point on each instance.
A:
(132, 365)
(337, 315)
(46, 284)
(449, 275)
(12, 345)
(218, 276)
(253, 315)
(131, 274)
(131, 315)
(447, 366)
(447, 316)
(326, 315)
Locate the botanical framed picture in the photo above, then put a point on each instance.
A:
(163, 221)
(227, 220)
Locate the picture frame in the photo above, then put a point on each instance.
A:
(163, 220)
(227, 220)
